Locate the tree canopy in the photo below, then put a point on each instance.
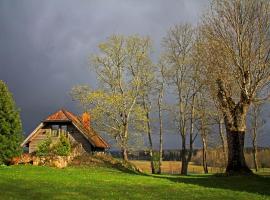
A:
(10, 125)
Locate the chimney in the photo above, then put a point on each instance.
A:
(86, 120)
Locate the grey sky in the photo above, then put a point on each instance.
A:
(44, 45)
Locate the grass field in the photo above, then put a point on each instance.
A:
(173, 167)
(32, 182)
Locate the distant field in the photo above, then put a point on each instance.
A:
(173, 167)
(33, 182)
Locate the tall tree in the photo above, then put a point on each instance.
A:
(219, 120)
(160, 88)
(120, 66)
(181, 74)
(256, 123)
(204, 115)
(10, 126)
(235, 50)
(146, 74)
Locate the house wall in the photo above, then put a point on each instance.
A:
(74, 135)
(40, 136)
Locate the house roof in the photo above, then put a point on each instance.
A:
(60, 115)
(66, 116)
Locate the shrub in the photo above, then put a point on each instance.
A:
(44, 148)
(62, 147)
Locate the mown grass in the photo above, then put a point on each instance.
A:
(33, 182)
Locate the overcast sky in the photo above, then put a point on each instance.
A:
(44, 45)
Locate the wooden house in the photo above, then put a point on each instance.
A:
(77, 128)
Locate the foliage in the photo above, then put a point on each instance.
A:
(61, 148)
(121, 65)
(44, 147)
(10, 126)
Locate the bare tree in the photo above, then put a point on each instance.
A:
(180, 73)
(160, 88)
(218, 119)
(204, 115)
(204, 137)
(147, 108)
(160, 99)
(235, 50)
(256, 122)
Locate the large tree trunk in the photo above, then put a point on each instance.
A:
(236, 159)
(235, 123)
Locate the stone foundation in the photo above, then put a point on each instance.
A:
(58, 161)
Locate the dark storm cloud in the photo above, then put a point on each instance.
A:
(44, 45)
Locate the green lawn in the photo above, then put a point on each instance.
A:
(32, 182)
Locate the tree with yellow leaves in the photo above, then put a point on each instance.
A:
(122, 69)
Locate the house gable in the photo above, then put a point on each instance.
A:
(85, 135)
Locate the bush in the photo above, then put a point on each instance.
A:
(44, 148)
(60, 148)
(63, 147)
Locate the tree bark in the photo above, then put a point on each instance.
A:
(146, 108)
(184, 166)
(150, 144)
(125, 154)
(254, 151)
(205, 166)
(204, 143)
(235, 123)
(236, 159)
(223, 142)
(160, 129)
(254, 136)
(124, 143)
(191, 139)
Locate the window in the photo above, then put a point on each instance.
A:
(55, 127)
(64, 127)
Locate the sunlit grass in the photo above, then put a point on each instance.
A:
(32, 182)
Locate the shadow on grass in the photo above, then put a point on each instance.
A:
(252, 184)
